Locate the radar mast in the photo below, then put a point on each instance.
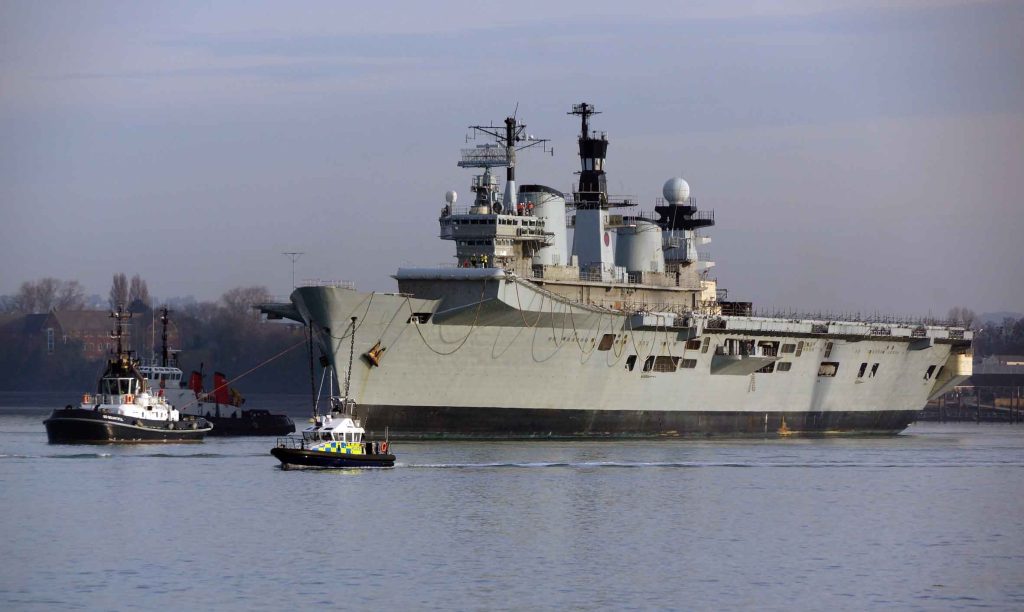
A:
(508, 139)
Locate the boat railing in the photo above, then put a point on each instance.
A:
(333, 283)
(292, 442)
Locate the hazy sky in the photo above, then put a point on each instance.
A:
(858, 155)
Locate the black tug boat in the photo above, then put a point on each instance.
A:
(123, 408)
(223, 406)
(335, 440)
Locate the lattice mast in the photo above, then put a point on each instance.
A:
(508, 139)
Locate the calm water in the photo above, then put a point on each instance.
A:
(931, 520)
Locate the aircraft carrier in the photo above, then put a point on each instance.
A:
(622, 334)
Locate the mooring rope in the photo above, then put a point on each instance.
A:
(249, 371)
(479, 307)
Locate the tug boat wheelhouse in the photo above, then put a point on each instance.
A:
(222, 407)
(124, 409)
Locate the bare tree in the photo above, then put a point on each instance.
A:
(48, 294)
(961, 315)
(119, 291)
(138, 292)
(27, 298)
(70, 296)
(239, 301)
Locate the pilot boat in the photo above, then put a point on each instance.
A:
(334, 440)
(123, 409)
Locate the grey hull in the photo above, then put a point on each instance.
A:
(515, 362)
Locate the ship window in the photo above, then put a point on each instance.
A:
(631, 362)
(788, 348)
(938, 372)
(419, 317)
(648, 363)
(688, 364)
(928, 374)
(799, 348)
(863, 368)
(769, 349)
(693, 344)
(606, 342)
(828, 369)
(828, 350)
(874, 370)
(784, 366)
(768, 369)
(665, 364)
(704, 346)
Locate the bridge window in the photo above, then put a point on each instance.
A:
(705, 345)
(874, 370)
(783, 366)
(688, 364)
(828, 350)
(606, 342)
(788, 348)
(928, 374)
(768, 369)
(799, 348)
(649, 364)
(630, 362)
(693, 344)
(863, 368)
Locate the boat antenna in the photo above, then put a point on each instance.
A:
(165, 318)
(120, 320)
(351, 353)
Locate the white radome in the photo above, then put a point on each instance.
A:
(451, 197)
(676, 190)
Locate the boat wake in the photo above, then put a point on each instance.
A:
(702, 464)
